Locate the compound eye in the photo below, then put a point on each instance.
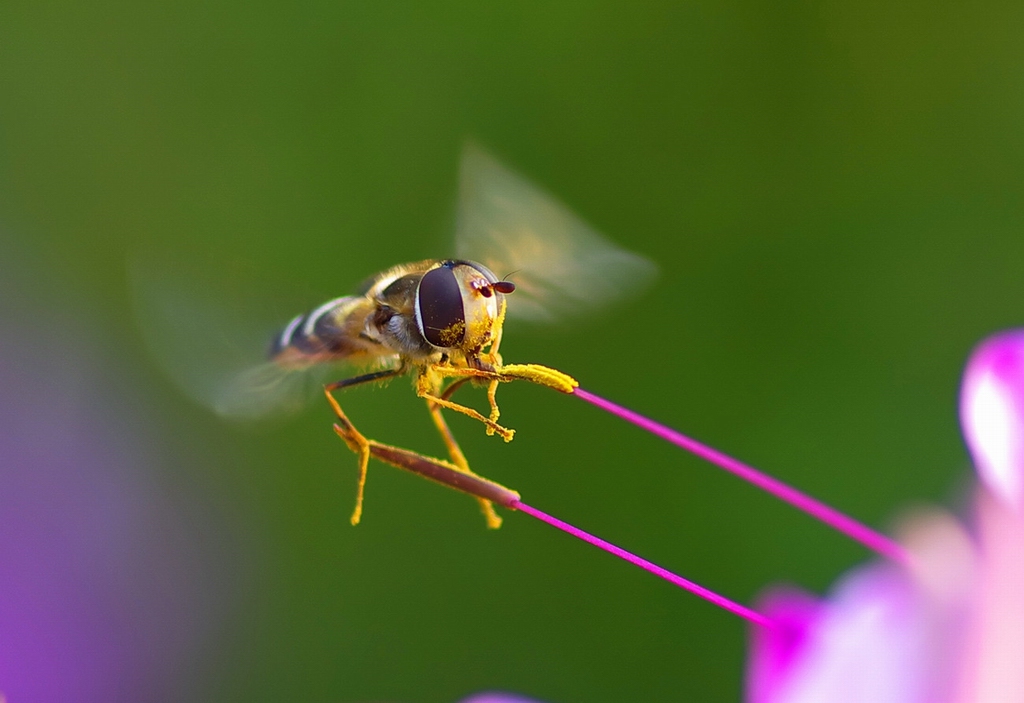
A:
(440, 313)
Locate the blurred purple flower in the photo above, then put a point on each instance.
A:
(494, 697)
(950, 627)
(105, 594)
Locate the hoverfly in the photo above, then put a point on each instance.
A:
(440, 320)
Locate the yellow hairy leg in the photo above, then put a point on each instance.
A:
(459, 459)
(457, 475)
(358, 444)
(433, 376)
(427, 385)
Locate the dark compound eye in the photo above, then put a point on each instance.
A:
(442, 318)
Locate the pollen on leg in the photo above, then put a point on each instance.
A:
(503, 432)
(492, 391)
(492, 518)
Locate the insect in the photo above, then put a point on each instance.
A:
(442, 320)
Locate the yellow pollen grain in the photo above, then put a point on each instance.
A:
(453, 334)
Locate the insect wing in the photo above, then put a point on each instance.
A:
(211, 356)
(266, 389)
(561, 266)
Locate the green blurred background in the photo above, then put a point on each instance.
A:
(832, 191)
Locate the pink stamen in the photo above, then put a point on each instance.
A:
(828, 515)
(721, 601)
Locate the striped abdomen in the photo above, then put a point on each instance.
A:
(331, 332)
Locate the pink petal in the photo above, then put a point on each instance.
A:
(993, 666)
(992, 414)
(863, 645)
(775, 651)
(885, 634)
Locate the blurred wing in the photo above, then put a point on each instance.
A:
(265, 390)
(210, 356)
(560, 265)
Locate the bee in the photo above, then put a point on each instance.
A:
(439, 320)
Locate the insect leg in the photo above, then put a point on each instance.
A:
(426, 388)
(455, 451)
(433, 469)
(347, 431)
(365, 378)
(430, 378)
(492, 390)
(358, 444)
